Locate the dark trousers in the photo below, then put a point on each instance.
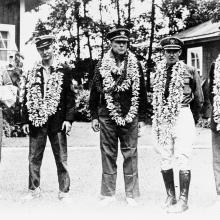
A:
(216, 158)
(110, 133)
(1, 130)
(36, 150)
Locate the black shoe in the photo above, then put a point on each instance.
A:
(181, 206)
(170, 201)
(170, 188)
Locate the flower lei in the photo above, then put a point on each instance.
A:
(109, 67)
(39, 107)
(216, 91)
(166, 111)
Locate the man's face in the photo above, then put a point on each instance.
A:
(172, 56)
(119, 47)
(46, 53)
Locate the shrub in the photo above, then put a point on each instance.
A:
(203, 123)
(82, 106)
(11, 127)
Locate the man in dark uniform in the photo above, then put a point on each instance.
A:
(177, 94)
(215, 123)
(118, 105)
(48, 110)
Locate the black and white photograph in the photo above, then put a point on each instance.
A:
(109, 109)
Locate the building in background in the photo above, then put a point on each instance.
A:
(11, 28)
(202, 46)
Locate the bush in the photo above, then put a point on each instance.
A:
(82, 106)
(11, 127)
(6, 128)
(203, 123)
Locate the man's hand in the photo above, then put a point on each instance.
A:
(141, 128)
(26, 129)
(74, 86)
(66, 126)
(95, 125)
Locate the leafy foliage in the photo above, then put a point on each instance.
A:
(183, 14)
(82, 106)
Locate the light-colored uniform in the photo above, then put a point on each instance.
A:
(180, 146)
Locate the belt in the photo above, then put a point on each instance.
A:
(184, 105)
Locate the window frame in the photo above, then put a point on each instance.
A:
(10, 29)
(199, 52)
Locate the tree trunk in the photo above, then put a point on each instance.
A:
(77, 5)
(129, 12)
(149, 60)
(78, 40)
(89, 45)
(87, 32)
(101, 28)
(118, 12)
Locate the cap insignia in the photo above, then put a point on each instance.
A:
(122, 33)
(172, 41)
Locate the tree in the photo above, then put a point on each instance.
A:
(216, 13)
(77, 17)
(183, 14)
(128, 22)
(150, 63)
(116, 2)
(87, 23)
(129, 11)
(101, 28)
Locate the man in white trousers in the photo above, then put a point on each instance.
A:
(177, 98)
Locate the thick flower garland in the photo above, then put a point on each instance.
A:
(216, 92)
(166, 111)
(39, 107)
(132, 79)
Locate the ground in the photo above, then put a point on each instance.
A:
(85, 170)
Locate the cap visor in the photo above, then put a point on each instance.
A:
(171, 47)
(120, 39)
(42, 46)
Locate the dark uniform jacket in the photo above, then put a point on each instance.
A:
(211, 95)
(66, 106)
(192, 91)
(97, 103)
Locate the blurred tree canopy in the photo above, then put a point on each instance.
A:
(183, 14)
(80, 27)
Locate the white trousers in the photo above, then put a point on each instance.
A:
(180, 146)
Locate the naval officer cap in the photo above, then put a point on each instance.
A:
(171, 43)
(44, 41)
(120, 34)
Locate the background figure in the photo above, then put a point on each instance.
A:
(118, 106)
(215, 123)
(8, 94)
(177, 88)
(48, 110)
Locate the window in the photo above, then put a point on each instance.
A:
(7, 42)
(194, 58)
(4, 45)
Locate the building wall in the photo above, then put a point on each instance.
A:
(211, 51)
(10, 14)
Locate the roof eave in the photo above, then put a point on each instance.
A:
(201, 38)
(197, 40)
(32, 4)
